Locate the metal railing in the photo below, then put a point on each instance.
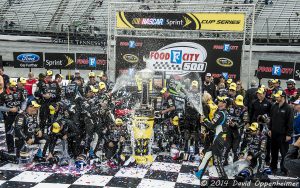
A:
(277, 28)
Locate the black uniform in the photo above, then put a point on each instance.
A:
(55, 91)
(235, 120)
(168, 103)
(11, 98)
(259, 108)
(281, 125)
(255, 145)
(26, 127)
(218, 125)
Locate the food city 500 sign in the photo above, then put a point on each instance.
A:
(181, 21)
(174, 55)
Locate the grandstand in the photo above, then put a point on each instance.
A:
(278, 21)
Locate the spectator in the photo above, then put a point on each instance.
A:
(209, 86)
(291, 91)
(5, 77)
(296, 125)
(58, 79)
(292, 160)
(280, 130)
(1, 84)
(28, 86)
(239, 89)
(78, 77)
(269, 90)
(1, 90)
(250, 95)
(221, 82)
(228, 82)
(276, 86)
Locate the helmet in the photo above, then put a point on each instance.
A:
(291, 81)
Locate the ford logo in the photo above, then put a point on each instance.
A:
(28, 58)
(224, 62)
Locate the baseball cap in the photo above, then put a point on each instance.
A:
(49, 73)
(163, 90)
(208, 74)
(280, 93)
(100, 74)
(52, 109)
(55, 127)
(232, 84)
(22, 80)
(12, 82)
(260, 90)
(232, 88)
(34, 104)
(92, 74)
(222, 99)
(195, 83)
(297, 102)
(229, 81)
(93, 89)
(102, 85)
(119, 122)
(253, 126)
(175, 121)
(275, 81)
(77, 71)
(239, 100)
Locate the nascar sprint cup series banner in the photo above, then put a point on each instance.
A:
(59, 61)
(179, 56)
(181, 21)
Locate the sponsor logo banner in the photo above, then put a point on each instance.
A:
(28, 59)
(178, 56)
(181, 21)
(297, 71)
(59, 61)
(275, 69)
(91, 61)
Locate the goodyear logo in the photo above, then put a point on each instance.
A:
(224, 62)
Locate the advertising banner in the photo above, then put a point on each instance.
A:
(297, 71)
(181, 21)
(59, 61)
(179, 56)
(91, 61)
(28, 59)
(275, 69)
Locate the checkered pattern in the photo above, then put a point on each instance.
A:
(166, 66)
(162, 173)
